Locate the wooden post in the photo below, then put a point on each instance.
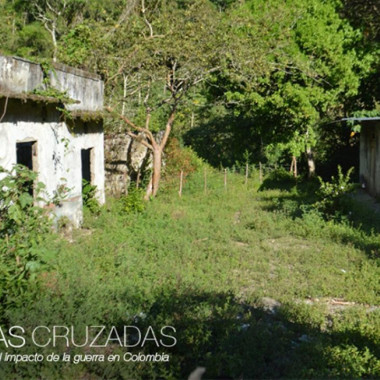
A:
(205, 181)
(246, 174)
(261, 172)
(295, 167)
(225, 179)
(138, 179)
(180, 184)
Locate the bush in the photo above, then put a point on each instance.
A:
(279, 179)
(332, 195)
(349, 361)
(23, 227)
(178, 158)
(89, 197)
(134, 201)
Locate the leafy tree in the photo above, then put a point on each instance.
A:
(55, 15)
(163, 61)
(308, 70)
(365, 15)
(8, 26)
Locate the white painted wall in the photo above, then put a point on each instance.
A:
(58, 159)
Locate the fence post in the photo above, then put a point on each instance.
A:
(261, 172)
(138, 179)
(180, 184)
(205, 181)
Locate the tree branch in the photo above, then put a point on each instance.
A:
(143, 9)
(168, 128)
(134, 126)
(136, 137)
(5, 109)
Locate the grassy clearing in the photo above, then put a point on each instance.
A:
(254, 287)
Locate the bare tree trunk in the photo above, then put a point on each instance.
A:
(54, 38)
(155, 147)
(293, 167)
(154, 182)
(157, 150)
(157, 164)
(310, 161)
(125, 78)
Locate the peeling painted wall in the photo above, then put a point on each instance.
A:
(58, 159)
(370, 157)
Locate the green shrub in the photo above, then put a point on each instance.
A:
(134, 201)
(23, 227)
(279, 179)
(332, 195)
(349, 361)
(89, 197)
(179, 159)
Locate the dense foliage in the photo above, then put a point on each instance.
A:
(23, 227)
(267, 76)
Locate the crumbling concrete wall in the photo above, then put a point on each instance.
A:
(79, 85)
(370, 157)
(18, 75)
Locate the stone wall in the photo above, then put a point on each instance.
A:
(125, 161)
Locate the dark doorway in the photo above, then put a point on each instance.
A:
(26, 154)
(86, 164)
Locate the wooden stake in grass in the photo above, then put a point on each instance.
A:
(246, 174)
(205, 182)
(293, 166)
(295, 172)
(261, 172)
(180, 184)
(225, 179)
(138, 179)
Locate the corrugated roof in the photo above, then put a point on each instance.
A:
(361, 118)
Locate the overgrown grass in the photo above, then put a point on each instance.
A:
(255, 284)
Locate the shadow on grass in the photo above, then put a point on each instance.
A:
(233, 340)
(359, 223)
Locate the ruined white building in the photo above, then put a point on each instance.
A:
(63, 143)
